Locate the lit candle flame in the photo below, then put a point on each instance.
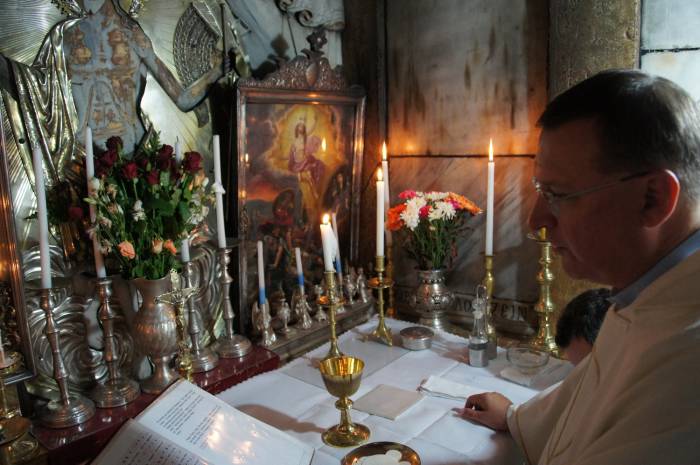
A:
(326, 218)
(380, 175)
(323, 144)
(384, 151)
(490, 149)
(246, 158)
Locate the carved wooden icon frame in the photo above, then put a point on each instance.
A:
(300, 136)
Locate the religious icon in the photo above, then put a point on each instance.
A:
(299, 168)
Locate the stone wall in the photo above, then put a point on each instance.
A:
(459, 73)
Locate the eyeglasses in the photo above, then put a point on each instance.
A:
(553, 199)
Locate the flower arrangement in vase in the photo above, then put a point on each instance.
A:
(146, 205)
(430, 223)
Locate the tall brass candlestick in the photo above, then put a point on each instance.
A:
(70, 409)
(230, 345)
(116, 390)
(331, 300)
(203, 358)
(545, 305)
(380, 283)
(391, 310)
(488, 282)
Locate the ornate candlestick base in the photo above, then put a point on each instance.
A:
(229, 345)
(116, 390)
(380, 283)
(11, 430)
(71, 409)
(301, 308)
(333, 301)
(203, 358)
(16, 444)
(488, 282)
(114, 393)
(544, 340)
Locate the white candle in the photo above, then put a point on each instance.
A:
(380, 213)
(328, 243)
(220, 226)
(89, 174)
(338, 264)
(300, 270)
(261, 275)
(185, 244)
(387, 191)
(489, 202)
(43, 222)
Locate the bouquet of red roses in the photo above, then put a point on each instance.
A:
(146, 205)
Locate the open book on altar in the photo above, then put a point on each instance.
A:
(187, 425)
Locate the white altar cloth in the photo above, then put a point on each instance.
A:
(292, 399)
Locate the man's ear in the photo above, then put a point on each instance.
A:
(663, 190)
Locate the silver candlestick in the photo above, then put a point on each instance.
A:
(203, 358)
(230, 345)
(301, 309)
(116, 390)
(71, 409)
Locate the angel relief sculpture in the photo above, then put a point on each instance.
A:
(91, 71)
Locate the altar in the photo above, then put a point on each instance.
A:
(293, 399)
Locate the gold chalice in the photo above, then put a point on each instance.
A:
(342, 376)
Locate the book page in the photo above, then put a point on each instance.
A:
(217, 432)
(134, 444)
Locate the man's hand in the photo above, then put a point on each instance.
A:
(489, 409)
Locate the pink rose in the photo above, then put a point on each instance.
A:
(424, 211)
(157, 246)
(126, 249)
(409, 194)
(170, 247)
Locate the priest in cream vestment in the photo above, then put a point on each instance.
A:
(618, 182)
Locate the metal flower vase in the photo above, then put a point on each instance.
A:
(432, 298)
(155, 333)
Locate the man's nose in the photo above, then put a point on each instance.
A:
(541, 215)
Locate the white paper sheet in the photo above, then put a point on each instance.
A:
(134, 444)
(187, 425)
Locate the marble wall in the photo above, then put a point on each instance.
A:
(458, 73)
(670, 41)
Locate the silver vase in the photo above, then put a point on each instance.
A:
(432, 298)
(155, 333)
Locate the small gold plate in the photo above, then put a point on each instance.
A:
(380, 448)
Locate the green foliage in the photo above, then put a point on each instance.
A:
(146, 205)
